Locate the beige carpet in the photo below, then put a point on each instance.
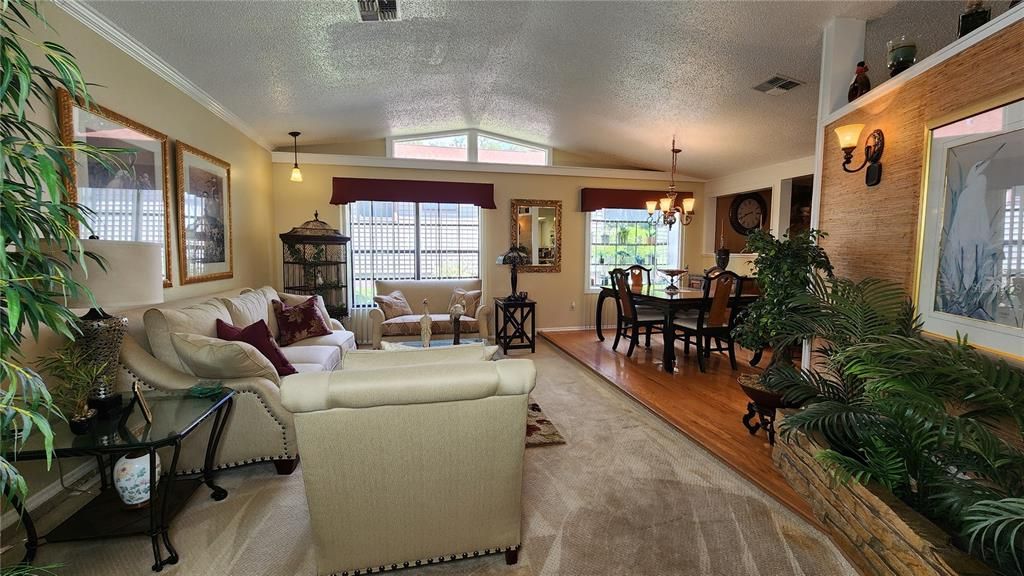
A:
(626, 494)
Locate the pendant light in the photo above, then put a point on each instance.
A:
(296, 173)
(665, 211)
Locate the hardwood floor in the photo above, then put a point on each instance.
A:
(706, 407)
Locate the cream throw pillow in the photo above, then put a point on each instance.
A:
(362, 359)
(296, 299)
(393, 305)
(218, 359)
(470, 300)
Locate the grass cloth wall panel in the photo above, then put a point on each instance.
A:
(873, 231)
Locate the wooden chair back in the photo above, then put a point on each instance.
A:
(637, 276)
(620, 279)
(718, 293)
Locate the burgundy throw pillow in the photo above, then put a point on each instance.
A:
(299, 322)
(258, 335)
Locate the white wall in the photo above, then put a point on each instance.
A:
(774, 176)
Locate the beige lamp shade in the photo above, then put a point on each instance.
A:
(849, 135)
(133, 275)
(688, 205)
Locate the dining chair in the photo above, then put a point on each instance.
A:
(637, 276)
(630, 320)
(716, 318)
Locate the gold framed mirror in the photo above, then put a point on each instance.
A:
(537, 227)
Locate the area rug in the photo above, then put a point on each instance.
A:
(539, 430)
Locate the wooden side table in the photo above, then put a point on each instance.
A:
(510, 318)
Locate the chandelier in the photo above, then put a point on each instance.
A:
(665, 210)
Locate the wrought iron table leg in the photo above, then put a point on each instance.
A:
(751, 412)
(172, 557)
(154, 522)
(219, 422)
(31, 537)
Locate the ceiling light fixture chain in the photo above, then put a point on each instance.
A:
(665, 211)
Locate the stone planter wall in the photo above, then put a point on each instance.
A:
(876, 530)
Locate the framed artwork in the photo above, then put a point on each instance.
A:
(204, 216)
(971, 256)
(128, 194)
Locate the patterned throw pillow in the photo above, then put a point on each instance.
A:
(393, 305)
(258, 335)
(470, 300)
(299, 322)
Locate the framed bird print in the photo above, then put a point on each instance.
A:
(971, 256)
(204, 216)
(126, 191)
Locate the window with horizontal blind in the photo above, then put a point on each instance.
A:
(411, 241)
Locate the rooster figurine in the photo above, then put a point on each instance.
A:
(861, 83)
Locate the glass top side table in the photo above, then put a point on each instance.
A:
(175, 416)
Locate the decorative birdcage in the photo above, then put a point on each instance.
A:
(316, 262)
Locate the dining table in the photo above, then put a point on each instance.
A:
(669, 302)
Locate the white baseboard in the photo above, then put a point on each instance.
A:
(37, 498)
(575, 328)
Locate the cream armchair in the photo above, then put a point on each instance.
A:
(405, 466)
(438, 293)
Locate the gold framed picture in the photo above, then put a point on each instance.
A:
(204, 215)
(128, 197)
(971, 242)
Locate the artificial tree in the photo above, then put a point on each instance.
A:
(784, 269)
(37, 218)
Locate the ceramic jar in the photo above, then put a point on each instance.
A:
(131, 477)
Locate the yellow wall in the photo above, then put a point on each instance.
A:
(130, 89)
(555, 293)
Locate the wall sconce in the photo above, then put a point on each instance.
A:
(849, 135)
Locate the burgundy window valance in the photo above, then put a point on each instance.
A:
(352, 189)
(596, 198)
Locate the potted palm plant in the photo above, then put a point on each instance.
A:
(920, 427)
(79, 374)
(37, 211)
(784, 267)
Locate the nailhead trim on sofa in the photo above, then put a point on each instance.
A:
(284, 432)
(436, 560)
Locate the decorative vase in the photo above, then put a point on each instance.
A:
(425, 326)
(861, 83)
(722, 257)
(83, 424)
(131, 478)
(902, 54)
(975, 15)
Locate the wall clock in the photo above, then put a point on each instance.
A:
(747, 213)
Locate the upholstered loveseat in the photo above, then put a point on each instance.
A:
(438, 294)
(259, 428)
(431, 465)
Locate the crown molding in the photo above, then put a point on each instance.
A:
(99, 24)
(415, 164)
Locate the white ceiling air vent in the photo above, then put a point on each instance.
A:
(777, 85)
(378, 10)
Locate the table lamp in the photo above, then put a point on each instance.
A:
(133, 277)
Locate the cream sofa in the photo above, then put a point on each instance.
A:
(431, 465)
(438, 294)
(259, 428)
